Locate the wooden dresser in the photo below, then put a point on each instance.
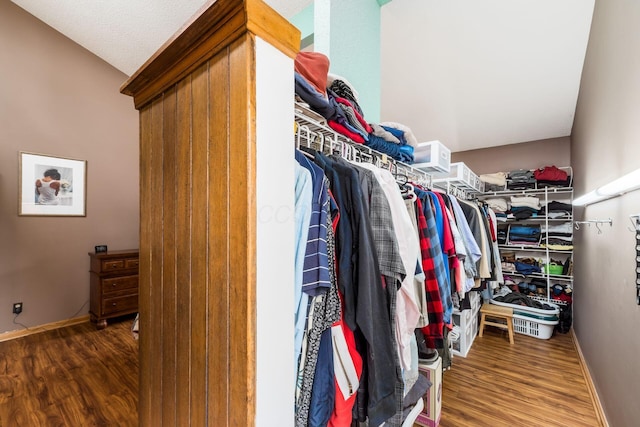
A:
(114, 285)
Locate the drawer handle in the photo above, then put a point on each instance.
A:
(114, 304)
(114, 284)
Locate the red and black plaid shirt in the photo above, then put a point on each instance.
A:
(433, 332)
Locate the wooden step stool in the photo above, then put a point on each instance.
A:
(497, 312)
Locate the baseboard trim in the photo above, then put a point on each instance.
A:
(595, 399)
(11, 335)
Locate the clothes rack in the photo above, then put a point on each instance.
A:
(313, 134)
(597, 223)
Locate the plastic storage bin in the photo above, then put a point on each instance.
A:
(531, 321)
(537, 328)
(553, 268)
(432, 156)
(467, 321)
(461, 176)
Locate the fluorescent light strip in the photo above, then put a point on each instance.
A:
(617, 187)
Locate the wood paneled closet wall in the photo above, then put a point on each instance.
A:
(199, 200)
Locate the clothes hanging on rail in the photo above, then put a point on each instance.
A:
(393, 265)
(366, 305)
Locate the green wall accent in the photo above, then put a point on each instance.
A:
(304, 21)
(348, 32)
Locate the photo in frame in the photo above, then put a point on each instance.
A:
(51, 185)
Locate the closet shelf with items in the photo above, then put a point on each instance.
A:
(313, 132)
(535, 234)
(460, 176)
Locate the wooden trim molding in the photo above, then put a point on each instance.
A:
(11, 335)
(597, 406)
(213, 28)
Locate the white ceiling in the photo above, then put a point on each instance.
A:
(476, 74)
(469, 73)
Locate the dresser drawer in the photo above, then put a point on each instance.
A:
(125, 304)
(131, 263)
(119, 264)
(121, 283)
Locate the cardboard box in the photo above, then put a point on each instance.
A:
(430, 415)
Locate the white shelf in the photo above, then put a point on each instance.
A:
(546, 195)
(460, 176)
(527, 192)
(313, 132)
(536, 219)
(561, 277)
(535, 249)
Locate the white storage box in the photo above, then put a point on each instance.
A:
(467, 321)
(461, 176)
(430, 415)
(432, 156)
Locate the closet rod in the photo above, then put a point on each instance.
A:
(452, 189)
(597, 223)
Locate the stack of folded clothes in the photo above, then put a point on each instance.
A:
(557, 237)
(494, 181)
(524, 235)
(557, 209)
(499, 206)
(311, 78)
(394, 139)
(501, 235)
(551, 176)
(336, 100)
(521, 179)
(523, 207)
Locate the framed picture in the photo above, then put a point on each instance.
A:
(51, 186)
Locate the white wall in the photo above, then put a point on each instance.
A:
(275, 178)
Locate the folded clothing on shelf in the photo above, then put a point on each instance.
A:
(565, 228)
(557, 206)
(525, 201)
(523, 212)
(498, 179)
(551, 174)
(403, 153)
(497, 204)
(524, 234)
(521, 179)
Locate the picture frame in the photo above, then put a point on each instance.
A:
(51, 185)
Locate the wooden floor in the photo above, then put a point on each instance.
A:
(531, 383)
(72, 376)
(78, 376)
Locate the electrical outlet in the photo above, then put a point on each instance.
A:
(17, 307)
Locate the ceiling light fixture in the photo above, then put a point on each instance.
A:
(615, 188)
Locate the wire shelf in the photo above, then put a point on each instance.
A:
(312, 132)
